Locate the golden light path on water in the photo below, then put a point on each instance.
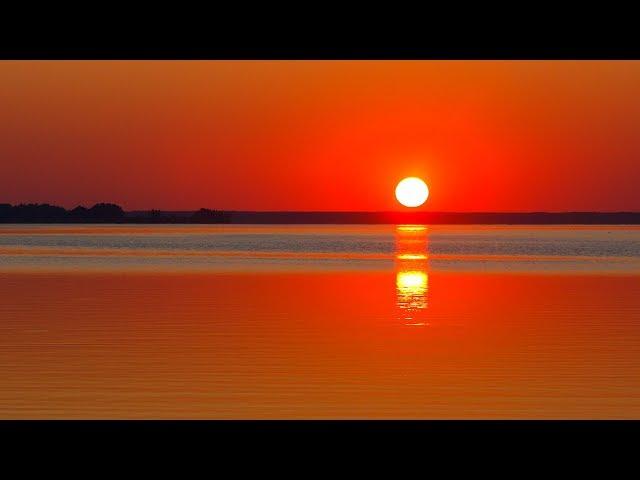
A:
(412, 278)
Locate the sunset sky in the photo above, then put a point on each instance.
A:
(321, 135)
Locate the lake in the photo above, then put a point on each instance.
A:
(319, 321)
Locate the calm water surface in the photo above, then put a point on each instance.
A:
(120, 321)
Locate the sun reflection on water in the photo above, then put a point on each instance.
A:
(412, 279)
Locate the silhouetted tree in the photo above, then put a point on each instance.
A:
(106, 212)
(5, 211)
(79, 214)
(154, 216)
(204, 215)
(33, 212)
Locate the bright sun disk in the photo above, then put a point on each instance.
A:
(412, 192)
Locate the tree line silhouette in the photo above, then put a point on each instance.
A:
(112, 213)
(100, 213)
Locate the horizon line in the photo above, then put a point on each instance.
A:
(393, 211)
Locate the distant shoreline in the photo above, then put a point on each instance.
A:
(111, 213)
(435, 218)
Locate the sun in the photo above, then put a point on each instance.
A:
(412, 192)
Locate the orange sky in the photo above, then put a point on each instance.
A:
(321, 135)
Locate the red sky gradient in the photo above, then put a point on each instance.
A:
(321, 135)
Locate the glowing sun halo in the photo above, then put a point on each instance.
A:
(412, 192)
